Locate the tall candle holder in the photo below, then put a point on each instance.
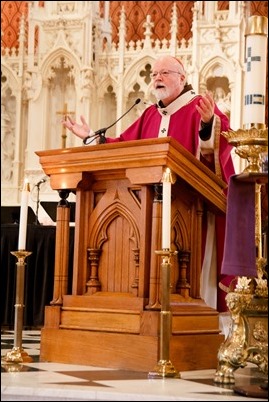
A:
(18, 354)
(165, 367)
(247, 340)
(248, 302)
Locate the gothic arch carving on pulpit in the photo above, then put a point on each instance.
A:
(116, 234)
(181, 241)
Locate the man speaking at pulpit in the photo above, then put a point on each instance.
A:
(196, 123)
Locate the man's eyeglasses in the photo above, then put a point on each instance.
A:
(163, 73)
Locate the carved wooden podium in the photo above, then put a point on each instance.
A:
(111, 318)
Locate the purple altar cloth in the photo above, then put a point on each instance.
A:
(239, 257)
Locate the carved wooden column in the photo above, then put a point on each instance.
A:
(196, 251)
(93, 285)
(183, 287)
(154, 285)
(136, 279)
(61, 249)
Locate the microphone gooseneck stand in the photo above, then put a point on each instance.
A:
(38, 199)
(102, 132)
(37, 203)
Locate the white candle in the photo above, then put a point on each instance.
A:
(166, 211)
(23, 216)
(255, 71)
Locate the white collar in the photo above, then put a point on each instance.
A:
(177, 103)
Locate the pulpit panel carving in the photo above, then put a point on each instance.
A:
(114, 229)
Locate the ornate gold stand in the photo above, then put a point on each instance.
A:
(17, 354)
(247, 340)
(164, 367)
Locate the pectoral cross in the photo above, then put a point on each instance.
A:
(64, 113)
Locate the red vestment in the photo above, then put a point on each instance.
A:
(184, 126)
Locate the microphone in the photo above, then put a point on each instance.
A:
(102, 131)
(38, 200)
(41, 181)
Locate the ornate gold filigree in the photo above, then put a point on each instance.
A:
(261, 289)
(247, 338)
(243, 285)
(250, 144)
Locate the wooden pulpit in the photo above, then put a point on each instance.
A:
(111, 317)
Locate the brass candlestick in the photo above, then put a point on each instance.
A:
(17, 354)
(164, 367)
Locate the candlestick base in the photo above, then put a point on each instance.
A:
(16, 355)
(164, 368)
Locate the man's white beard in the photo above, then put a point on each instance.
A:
(161, 93)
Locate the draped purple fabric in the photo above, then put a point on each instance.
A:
(239, 257)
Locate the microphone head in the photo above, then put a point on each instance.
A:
(43, 180)
(137, 101)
